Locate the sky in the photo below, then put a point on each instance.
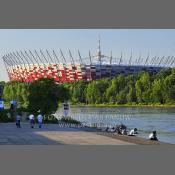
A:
(156, 42)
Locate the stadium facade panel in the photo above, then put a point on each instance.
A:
(69, 73)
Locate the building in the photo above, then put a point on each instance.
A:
(28, 66)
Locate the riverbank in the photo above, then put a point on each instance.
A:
(133, 139)
(52, 134)
(124, 105)
(130, 139)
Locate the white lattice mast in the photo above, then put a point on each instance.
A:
(99, 50)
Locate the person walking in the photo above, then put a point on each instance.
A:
(18, 120)
(40, 120)
(32, 120)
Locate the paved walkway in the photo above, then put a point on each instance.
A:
(52, 134)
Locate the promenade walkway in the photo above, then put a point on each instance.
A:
(52, 134)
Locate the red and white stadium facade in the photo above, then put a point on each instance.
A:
(28, 66)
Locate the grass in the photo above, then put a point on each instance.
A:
(125, 105)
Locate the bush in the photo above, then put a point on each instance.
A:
(70, 120)
(50, 119)
(6, 116)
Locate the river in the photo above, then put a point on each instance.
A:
(145, 119)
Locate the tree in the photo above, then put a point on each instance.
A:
(143, 88)
(44, 95)
(121, 96)
(77, 91)
(131, 91)
(17, 91)
(93, 93)
(157, 94)
(169, 92)
(117, 84)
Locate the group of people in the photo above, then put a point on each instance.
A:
(122, 130)
(31, 119)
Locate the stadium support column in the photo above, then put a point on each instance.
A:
(30, 68)
(6, 67)
(18, 63)
(64, 59)
(146, 61)
(25, 68)
(90, 59)
(81, 62)
(27, 56)
(9, 57)
(41, 61)
(58, 65)
(21, 58)
(120, 59)
(56, 57)
(110, 64)
(19, 66)
(64, 65)
(157, 61)
(49, 56)
(47, 62)
(130, 59)
(80, 74)
(173, 61)
(152, 61)
(160, 62)
(138, 62)
(170, 60)
(166, 61)
(12, 62)
(43, 67)
(73, 65)
(52, 63)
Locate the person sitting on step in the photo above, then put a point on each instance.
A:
(133, 132)
(153, 136)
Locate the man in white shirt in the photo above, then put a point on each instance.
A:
(40, 120)
(133, 132)
(32, 120)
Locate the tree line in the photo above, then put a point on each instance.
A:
(142, 88)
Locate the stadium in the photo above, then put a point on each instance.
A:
(27, 66)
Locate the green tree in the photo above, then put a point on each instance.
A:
(131, 91)
(157, 94)
(143, 88)
(44, 95)
(93, 93)
(169, 92)
(77, 91)
(117, 84)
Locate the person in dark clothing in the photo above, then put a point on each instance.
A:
(18, 120)
(153, 136)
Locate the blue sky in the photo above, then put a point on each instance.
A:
(156, 42)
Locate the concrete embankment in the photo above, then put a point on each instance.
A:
(133, 139)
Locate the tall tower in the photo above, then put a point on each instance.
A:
(99, 50)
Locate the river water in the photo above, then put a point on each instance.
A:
(146, 119)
